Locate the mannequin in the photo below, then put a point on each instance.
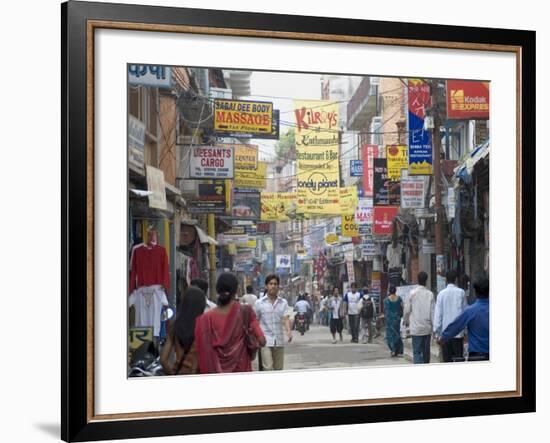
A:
(149, 281)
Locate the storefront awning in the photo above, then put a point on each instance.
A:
(205, 238)
(464, 171)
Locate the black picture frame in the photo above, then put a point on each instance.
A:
(78, 422)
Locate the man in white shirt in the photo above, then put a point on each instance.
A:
(450, 303)
(302, 306)
(351, 300)
(272, 313)
(418, 315)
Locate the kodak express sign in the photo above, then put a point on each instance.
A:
(245, 117)
(467, 100)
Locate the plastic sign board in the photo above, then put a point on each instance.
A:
(283, 261)
(155, 184)
(420, 140)
(397, 159)
(138, 336)
(245, 117)
(349, 226)
(356, 168)
(209, 162)
(383, 219)
(156, 76)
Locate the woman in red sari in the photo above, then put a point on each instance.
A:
(219, 333)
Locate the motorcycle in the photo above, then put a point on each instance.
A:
(300, 323)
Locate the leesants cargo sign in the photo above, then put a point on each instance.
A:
(211, 162)
(246, 117)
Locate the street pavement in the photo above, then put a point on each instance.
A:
(316, 350)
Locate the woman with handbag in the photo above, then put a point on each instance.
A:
(182, 334)
(228, 336)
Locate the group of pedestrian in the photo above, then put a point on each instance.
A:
(206, 338)
(447, 319)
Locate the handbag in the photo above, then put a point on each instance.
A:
(251, 341)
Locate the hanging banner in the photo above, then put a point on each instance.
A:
(467, 100)
(276, 205)
(348, 200)
(317, 156)
(413, 191)
(397, 159)
(243, 117)
(246, 204)
(155, 184)
(211, 162)
(349, 226)
(383, 218)
(380, 180)
(251, 178)
(368, 154)
(420, 140)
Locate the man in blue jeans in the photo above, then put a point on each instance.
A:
(476, 319)
(418, 315)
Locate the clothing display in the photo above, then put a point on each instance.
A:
(148, 302)
(149, 266)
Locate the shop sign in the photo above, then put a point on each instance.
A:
(380, 197)
(368, 154)
(211, 199)
(138, 336)
(451, 203)
(263, 228)
(368, 249)
(246, 157)
(467, 100)
(349, 226)
(276, 205)
(317, 156)
(330, 239)
(156, 76)
(155, 184)
(376, 284)
(268, 243)
(242, 117)
(211, 162)
(427, 246)
(246, 204)
(351, 271)
(420, 140)
(364, 212)
(283, 261)
(383, 218)
(251, 178)
(397, 159)
(356, 168)
(136, 141)
(413, 190)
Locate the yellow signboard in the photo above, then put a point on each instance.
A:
(276, 205)
(397, 157)
(245, 117)
(268, 243)
(246, 157)
(251, 178)
(350, 228)
(317, 156)
(348, 200)
(331, 239)
(138, 336)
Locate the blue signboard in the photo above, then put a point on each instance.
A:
(356, 168)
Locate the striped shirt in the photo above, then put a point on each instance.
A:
(271, 315)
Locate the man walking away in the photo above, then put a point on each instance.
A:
(450, 303)
(367, 317)
(418, 316)
(351, 300)
(476, 319)
(272, 314)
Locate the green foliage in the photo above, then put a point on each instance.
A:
(285, 144)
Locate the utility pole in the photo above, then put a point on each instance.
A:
(436, 159)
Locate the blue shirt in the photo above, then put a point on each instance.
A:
(476, 319)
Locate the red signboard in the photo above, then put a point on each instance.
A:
(383, 217)
(467, 100)
(368, 153)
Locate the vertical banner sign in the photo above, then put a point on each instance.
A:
(420, 141)
(397, 159)
(467, 100)
(136, 142)
(348, 200)
(383, 218)
(349, 226)
(380, 180)
(364, 216)
(368, 154)
(318, 166)
(155, 184)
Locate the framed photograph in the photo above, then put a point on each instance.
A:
(207, 164)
